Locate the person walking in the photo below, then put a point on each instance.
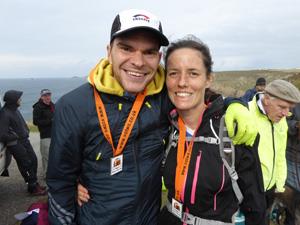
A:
(43, 111)
(269, 110)
(14, 132)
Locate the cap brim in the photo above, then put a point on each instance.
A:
(162, 38)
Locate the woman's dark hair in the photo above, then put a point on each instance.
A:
(191, 42)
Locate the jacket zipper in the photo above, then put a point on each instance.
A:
(195, 179)
(221, 188)
(273, 142)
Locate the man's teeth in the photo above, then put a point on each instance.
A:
(135, 74)
(183, 94)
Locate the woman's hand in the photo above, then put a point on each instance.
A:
(82, 195)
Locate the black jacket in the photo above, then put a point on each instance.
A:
(208, 182)
(293, 149)
(42, 117)
(131, 197)
(12, 124)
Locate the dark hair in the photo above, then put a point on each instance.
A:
(191, 42)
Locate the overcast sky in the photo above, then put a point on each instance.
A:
(56, 38)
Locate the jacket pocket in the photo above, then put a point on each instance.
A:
(221, 187)
(195, 179)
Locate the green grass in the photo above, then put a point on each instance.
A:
(32, 127)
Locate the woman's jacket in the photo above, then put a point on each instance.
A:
(208, 191)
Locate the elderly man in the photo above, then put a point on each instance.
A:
(270, 110)
(43, 111)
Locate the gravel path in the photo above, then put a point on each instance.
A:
(13, 190)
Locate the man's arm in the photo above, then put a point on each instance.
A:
(281, 165)
(6, 133)
(239, 122)
(64, 164)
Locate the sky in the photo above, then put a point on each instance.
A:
(66, 38)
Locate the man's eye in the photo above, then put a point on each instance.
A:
(172, 73)
(151, 53)
(126, 49)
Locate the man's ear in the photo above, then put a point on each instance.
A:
(108, 49)
(266, 99)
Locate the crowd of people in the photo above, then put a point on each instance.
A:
(134, 121)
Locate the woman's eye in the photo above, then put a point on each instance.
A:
(194, 74)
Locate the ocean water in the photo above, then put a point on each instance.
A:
(31, 88)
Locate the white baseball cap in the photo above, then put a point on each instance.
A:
(133, 19)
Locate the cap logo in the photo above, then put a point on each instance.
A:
(141, 17)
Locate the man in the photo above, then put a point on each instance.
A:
(109, 134)
(14, 133)
(269, 110)
(291, 196)
(259, 87)
(43, 112)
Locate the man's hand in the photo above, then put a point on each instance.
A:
(82, 195)
(246, 128)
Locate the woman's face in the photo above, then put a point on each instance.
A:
(187, 79)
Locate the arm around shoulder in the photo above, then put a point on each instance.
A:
(64, 164)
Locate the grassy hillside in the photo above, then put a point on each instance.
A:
(235, 83)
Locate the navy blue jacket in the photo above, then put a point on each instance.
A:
(131, 197)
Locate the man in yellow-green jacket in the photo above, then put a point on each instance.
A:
(270, 110)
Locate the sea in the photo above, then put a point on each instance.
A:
(31, 88)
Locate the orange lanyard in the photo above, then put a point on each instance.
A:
(104, 124)
(183, 159)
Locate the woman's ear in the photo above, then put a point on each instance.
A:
(210, 79)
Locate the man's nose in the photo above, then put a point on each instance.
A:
(285, 112)
(138, 59)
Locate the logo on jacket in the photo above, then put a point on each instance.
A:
(141, 17)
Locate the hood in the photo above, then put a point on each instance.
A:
(12, 96)
(106, 83)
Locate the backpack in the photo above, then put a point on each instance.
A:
(227, 152)
(37, 214)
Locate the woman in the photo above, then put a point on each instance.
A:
(194, 174)
(198, 183)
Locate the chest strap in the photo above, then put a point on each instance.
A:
(190, 219)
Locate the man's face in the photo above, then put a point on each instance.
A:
(260, 87)
(46, 98)
(134, 58)
(19, 101)
(276, 108)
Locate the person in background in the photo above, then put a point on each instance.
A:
(14, 132)
(43, 112)
(269, 110)
(259, 87)
(291, 196)
(109, 134)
